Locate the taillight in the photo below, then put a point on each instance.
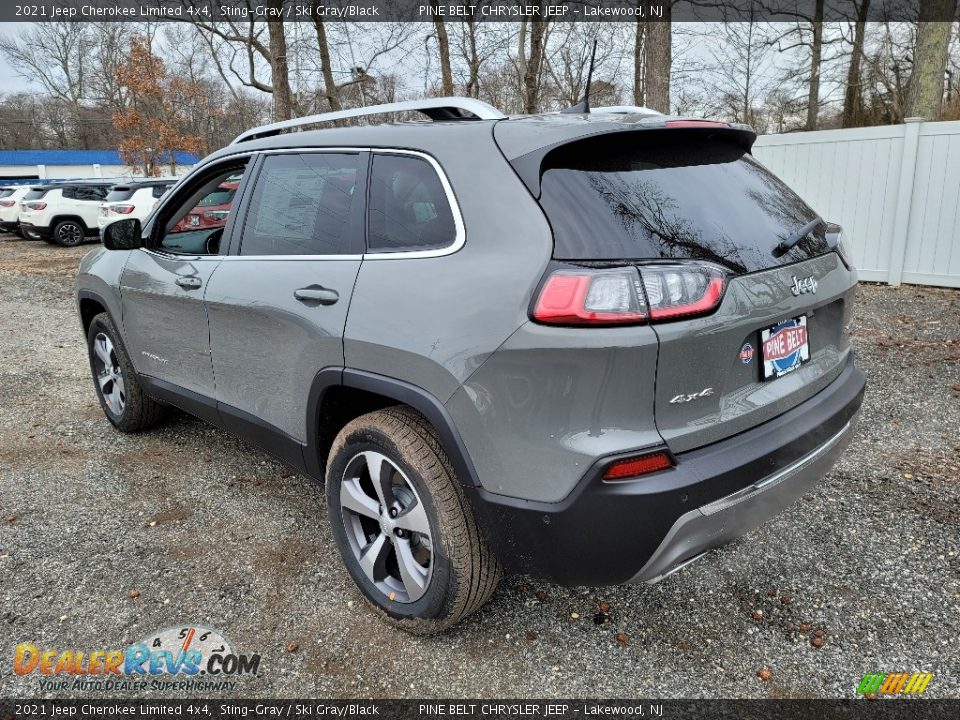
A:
(636, 466)
(7, 203)
(591, 297)
(675, 291)
(35, 205)
(844, 253)
(122, 209)
(629, 296)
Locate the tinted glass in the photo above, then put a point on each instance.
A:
(681, 196)
(408, 206)
(159, 190)
(119, 194)
(85, 192)
(35, 194)
(303, 205)
(5, 193)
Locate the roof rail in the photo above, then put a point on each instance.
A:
(624, 110)
(444, 108)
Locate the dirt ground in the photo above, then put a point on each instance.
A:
(106, 538)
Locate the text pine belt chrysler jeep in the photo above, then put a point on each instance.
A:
(586, 346)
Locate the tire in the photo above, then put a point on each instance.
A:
(455, 571)
(124, 404)
(69, 233)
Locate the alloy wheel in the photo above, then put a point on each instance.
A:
(387, 526)
(109, 376)
(69, 234)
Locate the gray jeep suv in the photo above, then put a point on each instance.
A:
(589, 347)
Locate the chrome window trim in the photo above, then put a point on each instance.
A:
(459, 240)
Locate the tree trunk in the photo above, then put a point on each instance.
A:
(522, 54)
(638, 95)
(816, 52)
(282, 100)
(330, 89)
(473, 81)
(656, 63)
(852, 97)
(531, 80)
(925, 90)
(443, 42)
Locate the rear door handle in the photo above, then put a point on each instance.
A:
(317, 294)
(188, 282)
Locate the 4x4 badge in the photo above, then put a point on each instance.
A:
(804, 285)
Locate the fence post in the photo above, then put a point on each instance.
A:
(901, 223)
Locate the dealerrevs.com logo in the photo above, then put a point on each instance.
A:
(190, 658)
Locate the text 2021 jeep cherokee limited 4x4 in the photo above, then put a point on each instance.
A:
(585, 346)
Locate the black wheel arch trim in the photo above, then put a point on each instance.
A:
(403, 392)
(57, 219)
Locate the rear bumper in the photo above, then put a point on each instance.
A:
(38, 230)
(640, 530)
(8, 225)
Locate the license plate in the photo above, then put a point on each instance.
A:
(784, 347)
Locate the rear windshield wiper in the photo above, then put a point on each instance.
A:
(787, 245)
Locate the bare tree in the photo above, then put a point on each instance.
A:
(640, 30)
(443, 44)
(925, 91)
(657, 62)
(853, 93)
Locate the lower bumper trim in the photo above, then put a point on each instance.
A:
(718, 522)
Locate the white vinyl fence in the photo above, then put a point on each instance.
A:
(895, 190)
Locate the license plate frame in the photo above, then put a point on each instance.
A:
(784, 347)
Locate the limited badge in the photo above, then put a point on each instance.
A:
(746, 354)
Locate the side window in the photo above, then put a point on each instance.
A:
(70, 193)
(303, 205)
(408, 206)
(195, 226)
(159, 190)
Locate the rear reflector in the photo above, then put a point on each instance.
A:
(636, 466)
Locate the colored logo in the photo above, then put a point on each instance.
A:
(785, 346)
(894, 683)
(184, 651)
(746, 353)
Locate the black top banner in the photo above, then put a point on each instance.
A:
(475, 10)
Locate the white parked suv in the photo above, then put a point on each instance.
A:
(10, 198)
(132, 200)
(63, 213)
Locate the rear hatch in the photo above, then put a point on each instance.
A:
(759, 326)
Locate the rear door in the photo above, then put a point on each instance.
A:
(278, 304)
(666, 200)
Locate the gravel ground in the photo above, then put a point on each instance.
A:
(211, 532)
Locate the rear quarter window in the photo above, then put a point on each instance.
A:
(408, 209)
(119, 194)
(671, 195)
(35, 194)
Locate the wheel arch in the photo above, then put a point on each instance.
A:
(89, 305)
(57, 219)
(338, 395)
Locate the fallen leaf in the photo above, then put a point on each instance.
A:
(292, 647)
(604, 607)
(808, 497)
(521, 588)
(764, 674)
(819, 633)
(785, 599)
(757, 615)
(541, 595)
(531, 635)
(134, 594)
(804, 627)
(623, 638)
(817, 642)
(11, 518)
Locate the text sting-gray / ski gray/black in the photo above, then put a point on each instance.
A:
(587, 346)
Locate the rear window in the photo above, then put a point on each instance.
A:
(5, 193)
(35, 194)
(220, 196)
(119, 194)
(677, 197)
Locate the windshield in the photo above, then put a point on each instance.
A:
(220, 196)
(679, 197)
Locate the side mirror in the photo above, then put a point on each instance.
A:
(122, 235)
